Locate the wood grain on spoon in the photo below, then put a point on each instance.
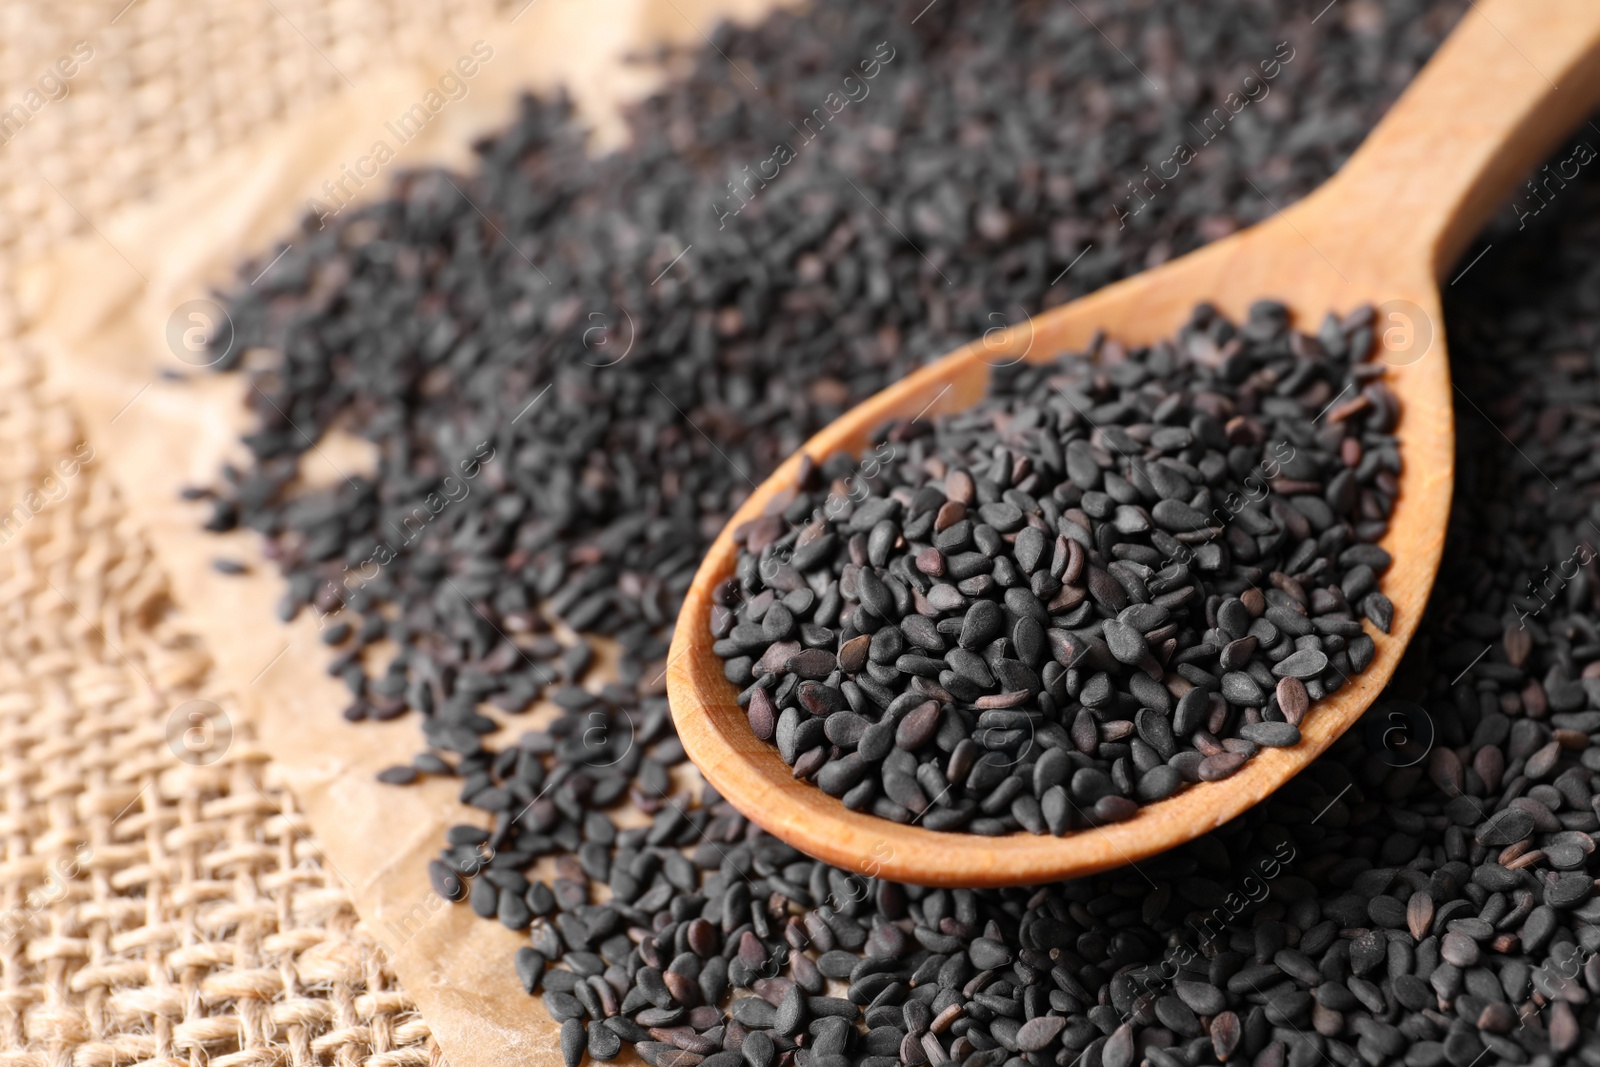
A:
(1514, 77)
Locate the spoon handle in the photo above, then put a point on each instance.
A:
(1512, 80)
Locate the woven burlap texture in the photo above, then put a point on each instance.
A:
(166, 85)
(152, 910)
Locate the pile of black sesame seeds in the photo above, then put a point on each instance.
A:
(1380, 908)
(1120, 573)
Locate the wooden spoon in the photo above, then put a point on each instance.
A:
(1511, 80)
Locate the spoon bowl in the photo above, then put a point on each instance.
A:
(1511, 80)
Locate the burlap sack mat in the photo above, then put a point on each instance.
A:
(152, 909)
(100, 311)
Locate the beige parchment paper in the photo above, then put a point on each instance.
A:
(99, 309)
